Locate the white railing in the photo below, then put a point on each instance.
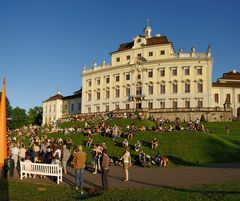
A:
(40, 169)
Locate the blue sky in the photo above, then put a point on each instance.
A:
(44, 44)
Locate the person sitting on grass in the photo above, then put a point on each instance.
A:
(154, 143)
(125, 143)
(158, 159)
(164, 161)
(142, 158)
(137, 146)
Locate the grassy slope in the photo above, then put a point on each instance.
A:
(17, 190)
(182, 147)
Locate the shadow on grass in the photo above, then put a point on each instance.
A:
(4, 192)
(146, 143)
(179, 161)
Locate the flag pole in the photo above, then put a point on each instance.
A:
(3, 126)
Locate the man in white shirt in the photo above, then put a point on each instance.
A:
(14, 153)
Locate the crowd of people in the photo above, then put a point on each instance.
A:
(42, 149)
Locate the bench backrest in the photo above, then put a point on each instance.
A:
(40, 168)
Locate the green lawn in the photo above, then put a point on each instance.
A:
(182, 147)
(17, 190)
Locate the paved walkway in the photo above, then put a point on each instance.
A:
(155, 177)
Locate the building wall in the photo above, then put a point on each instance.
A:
(222, 96)
(142, 66)
(72, 106)
(52, 111)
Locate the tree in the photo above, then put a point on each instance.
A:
(19, 118)
(35, 115)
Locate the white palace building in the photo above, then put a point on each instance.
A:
(147, 75)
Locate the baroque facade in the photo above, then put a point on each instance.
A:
(148, 75)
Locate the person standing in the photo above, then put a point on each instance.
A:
(126, 159)
(14, 154)
(105, 169)
(79, 165)
(65, 157)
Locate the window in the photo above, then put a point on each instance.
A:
(128, 57)
(150, 105)
(46, 109)
(127, 106)
(174, 71)
(162, 88)
(150, 54)
(117, 59)
(162, 104)
(117, 92)
(50, 108)
(139, 77)
(174, 104)
(200, 103)
(162, 52)
(200, 87)
(199, 71)
(97, 108)
(127, 91)
(89, 83)
(216, 98)
(116, 106)
(72, 107)
(117, 78)
(139, 90)
(187, 87)
(89, 109)
(79, 106)
(89, 96)
(150, 89)
(175, 87)
(139, 55)
(98, 95)
(187, 71)
(187, 104)
(162, 72)
(54, 108)
(66, 108)
(128, 76)
(238, 98)
(107, 93)
(98, 81)
(107, 108)
(107, 80)
(228, 98)
(150, 73)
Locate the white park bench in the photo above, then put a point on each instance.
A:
(40, 169)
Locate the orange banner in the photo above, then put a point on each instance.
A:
(3, 126)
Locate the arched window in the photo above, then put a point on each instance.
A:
(98, 94)
(200, 86)
(89, 96)
(139, 88)
(187, 86)
(150, 88)
(162, 88)
(127, 90)
(175, 87)
(117, 92)
(107, 93)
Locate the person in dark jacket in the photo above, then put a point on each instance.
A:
(105, 169)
